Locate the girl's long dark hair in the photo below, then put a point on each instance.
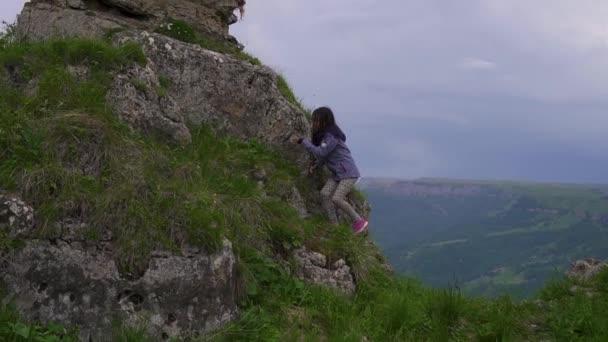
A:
(323, 121)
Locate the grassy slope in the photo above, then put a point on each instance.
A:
(153, 195)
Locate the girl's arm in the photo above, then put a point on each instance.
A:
(328, 144)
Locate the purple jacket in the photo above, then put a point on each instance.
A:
(334, 153)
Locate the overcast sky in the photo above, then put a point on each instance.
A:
(510, 89)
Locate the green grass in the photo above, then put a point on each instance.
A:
(70, 158)
(288, 93)
(139, 85)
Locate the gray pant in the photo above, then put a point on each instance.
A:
(334, 194)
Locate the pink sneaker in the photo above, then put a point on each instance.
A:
(360, 226)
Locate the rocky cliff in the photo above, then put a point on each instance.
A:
(104, 225)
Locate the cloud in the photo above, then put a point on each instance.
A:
(477, 64)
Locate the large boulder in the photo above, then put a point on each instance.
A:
(43, 19)
(71, 281)
(204, 87)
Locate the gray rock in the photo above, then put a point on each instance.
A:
(16, 217)
(43, 19)
(230, 95)
(135, 96)
(316, 259)
(312, 267)
(81, 286)
(584, 270)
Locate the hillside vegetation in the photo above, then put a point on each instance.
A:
(151, 194)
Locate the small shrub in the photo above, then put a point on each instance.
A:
(446, 308)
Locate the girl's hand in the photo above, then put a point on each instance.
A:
(295, 139)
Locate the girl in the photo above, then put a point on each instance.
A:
(329, 147)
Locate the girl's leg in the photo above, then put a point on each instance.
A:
(326, 195)
(344, 187)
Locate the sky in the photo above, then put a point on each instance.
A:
(492, 89)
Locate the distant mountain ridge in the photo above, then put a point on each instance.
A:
(425, 187)
(506, 189)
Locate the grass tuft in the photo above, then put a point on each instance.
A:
(446, 309)
(288, 93)
(182, 31)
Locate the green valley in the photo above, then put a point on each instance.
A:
(487, 237)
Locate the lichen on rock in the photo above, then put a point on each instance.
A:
(16, 217)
